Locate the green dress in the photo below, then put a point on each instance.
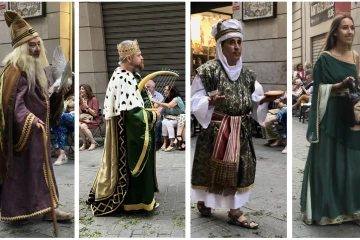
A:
(127, 174)
(330, 193)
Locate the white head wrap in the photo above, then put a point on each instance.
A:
(228, 29)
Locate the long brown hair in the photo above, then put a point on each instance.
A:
(88, 90)
(331, 39)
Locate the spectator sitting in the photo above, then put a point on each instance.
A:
(174, 106)
(271, 133)
(89, 117)
(297, 90)
(180, 134)
(65, 126)
(308, 67)
(281, 117)
(150, 85)
(299, 73)
(308, 90)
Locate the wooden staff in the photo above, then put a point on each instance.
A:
(49, 179)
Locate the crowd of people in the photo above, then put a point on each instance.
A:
(302, 87)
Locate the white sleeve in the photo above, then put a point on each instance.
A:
(258, 111)
(199, 103)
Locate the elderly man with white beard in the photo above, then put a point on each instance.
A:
(24, 109)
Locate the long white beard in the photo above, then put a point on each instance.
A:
(34, 69)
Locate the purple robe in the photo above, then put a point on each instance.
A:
(26, 194)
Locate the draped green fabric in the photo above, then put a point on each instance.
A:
(127, 174)
(329, 192)
(140, 152)
(138, 138)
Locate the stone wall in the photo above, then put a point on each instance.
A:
(302, 32)
(55, 29)
(264, 49)
(93, 66)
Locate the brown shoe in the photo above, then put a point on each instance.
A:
(277, 143)
(204, 211)
(240, 220)
(268, 143)
(83, 147)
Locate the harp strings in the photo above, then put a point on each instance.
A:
(162, 81)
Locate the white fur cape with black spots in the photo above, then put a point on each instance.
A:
(121, 94)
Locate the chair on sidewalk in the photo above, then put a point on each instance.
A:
(304, 109)
(97, 130)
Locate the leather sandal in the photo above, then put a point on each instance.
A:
(234, 220)
(170, 148)
(93, 146)
(178, 140)
(60, 216)
(83, 147)
(204, 211)
(181, 148)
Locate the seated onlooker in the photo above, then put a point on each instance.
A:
(89, 117)
(299, 73)
(271, 133)
(65, 127)
(297, 90)
(308, 67)
(281, 118)
(304, 98)
(174, 106)
(180, 135)
(150, 85)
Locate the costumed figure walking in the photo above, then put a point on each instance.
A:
(330, 194)
(25, 111)
(222, 100)
(127, 174)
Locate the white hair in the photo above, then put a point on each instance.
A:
(33, 67)
(151, 82)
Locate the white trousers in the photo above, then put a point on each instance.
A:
(168, 128)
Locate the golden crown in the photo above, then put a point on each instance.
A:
(129, 49)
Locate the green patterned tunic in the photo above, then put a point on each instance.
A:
(237, 103)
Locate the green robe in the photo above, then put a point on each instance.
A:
(237, 103)
(330, 193)
(127, 175)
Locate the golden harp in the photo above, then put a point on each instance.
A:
(163, 78)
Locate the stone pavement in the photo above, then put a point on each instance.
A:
(167, 221)
(267, 205)
(37, 228)
(300, 229)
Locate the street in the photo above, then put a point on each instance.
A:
(168, 221)
(300, 229)
(37, 228)
(267, 205)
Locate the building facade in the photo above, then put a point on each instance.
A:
(159, 28)
(310, 23)
(55, 28)
(264, 45)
